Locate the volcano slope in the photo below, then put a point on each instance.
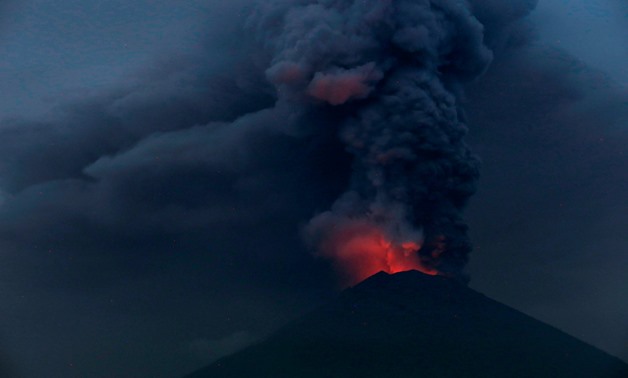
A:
(413, 325)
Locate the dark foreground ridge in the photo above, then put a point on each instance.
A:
(413, 325)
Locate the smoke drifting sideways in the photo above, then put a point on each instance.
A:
(391, 69)
(181, 191)
(335, 101)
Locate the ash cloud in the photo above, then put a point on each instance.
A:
(330, 98)
(395, 65)
(192, 180)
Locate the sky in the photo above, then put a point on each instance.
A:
(152, 211)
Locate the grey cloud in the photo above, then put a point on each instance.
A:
(196, 141)
(195, 176)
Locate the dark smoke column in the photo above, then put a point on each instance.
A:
(388, 67)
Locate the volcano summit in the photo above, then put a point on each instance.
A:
(414, 325)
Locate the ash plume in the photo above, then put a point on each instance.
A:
(292, 108)
(179, 186)
(391, 68)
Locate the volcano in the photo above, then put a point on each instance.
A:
(411, 324)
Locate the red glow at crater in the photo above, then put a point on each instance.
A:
(360, 250)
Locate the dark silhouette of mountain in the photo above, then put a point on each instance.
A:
(413, 325)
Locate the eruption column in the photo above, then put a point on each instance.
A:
(390, 69)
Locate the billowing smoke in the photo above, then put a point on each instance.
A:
(390, 69)
(178, 189)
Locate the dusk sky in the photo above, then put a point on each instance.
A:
(156, 196)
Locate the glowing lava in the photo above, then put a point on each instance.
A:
(359, 250)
